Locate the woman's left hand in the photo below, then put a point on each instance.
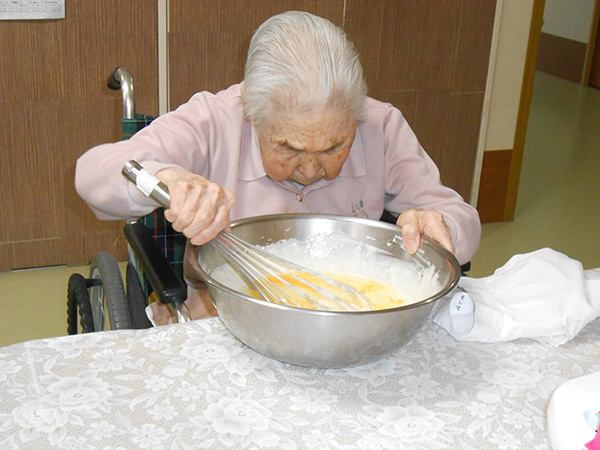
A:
(416, 222)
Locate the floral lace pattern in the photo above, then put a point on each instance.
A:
(191, 386)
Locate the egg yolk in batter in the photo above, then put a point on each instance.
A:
(308, 291)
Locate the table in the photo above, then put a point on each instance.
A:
(194, 385)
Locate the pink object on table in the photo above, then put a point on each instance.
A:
(594, 444)
(573, 417)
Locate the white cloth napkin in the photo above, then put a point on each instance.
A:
(543, 295)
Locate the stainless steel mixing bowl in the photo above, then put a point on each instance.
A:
(322, 338)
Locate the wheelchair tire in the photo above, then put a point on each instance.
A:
(108, 297)
(136, 300)
(78, 305)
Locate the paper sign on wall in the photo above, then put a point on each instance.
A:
(32, 9)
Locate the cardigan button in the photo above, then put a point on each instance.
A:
(299, 197)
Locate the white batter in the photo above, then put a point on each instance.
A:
(339, 254)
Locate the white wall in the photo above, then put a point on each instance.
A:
(571, 19)
(507, 75)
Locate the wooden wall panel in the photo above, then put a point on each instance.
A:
(55, 105)
(427, 57)
(430, 59)
(417, 44)
(208, 39)
(447, 124)
(46, 252)
(473, 45)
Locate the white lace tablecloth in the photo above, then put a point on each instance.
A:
(191, 386)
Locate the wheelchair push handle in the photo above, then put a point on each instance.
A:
(147, 183)
(139, 239)
(122, 79)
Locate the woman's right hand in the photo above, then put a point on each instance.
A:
(199, 208)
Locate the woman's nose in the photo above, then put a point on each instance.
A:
(310, 166)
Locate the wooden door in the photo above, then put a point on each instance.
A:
(54, 105)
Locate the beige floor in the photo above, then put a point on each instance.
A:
(558, 206)
(558, 203)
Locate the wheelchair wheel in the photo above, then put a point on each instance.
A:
(107, 294)
(136, 300)
(78, 305)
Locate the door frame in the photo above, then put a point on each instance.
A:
(535, 32)
(591, 47)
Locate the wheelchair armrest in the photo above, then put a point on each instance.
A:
(465, 268)
(162, 277)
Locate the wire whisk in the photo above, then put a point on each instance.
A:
(277, 280)
(274, 279)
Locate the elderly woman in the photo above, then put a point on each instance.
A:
(298, 135)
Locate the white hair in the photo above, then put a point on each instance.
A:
(297, 63)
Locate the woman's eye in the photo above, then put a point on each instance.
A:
(290, 152)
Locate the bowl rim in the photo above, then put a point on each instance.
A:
(448, 256)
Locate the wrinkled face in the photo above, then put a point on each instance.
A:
(306, 148)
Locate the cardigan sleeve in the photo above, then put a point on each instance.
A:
(413, 181)
(181, 138)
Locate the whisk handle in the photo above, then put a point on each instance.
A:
(147, 183)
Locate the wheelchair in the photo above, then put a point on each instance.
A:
(154, 269)
(153, 272)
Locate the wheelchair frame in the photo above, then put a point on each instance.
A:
(103, 301)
